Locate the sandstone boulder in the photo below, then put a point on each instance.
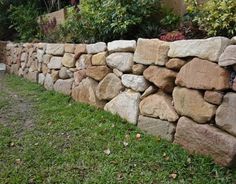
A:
(84, 61)
(79, 76)
(213, 97)
(190, 103)
(150, 90)
(63, 73)
(175, 64)
(97, 72)
(79, 50)
(135, 82)
(32, 76)
(122, 46)
(96, 48)
(228, 57)
(48, 82)
(55, 49)
(55, 63)
(206, 140)
(70, 48)
(63, 86)
(202, 74)
(138, 69)
(99, 59)
(41, 78)
(68, 60)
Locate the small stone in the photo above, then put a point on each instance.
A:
(40, 54)
(122, 46)
(138, 69)
(70, 48)
(55, 49)
(97, 72)
(41, 78)
(96, 48)
(149, 91)
(157, 127)
(79, 76)
(117, 72)
(99, 59)
(63, 73)
(68, 60)
(175, 64)
(44, 69)
(213, 97)
(84, 61)
(46, 58)
(55, 63)
(79, 50)
(63, 86)
(48, 83)
(135, 82)
(228, 57)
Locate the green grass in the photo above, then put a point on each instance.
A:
(68, 141)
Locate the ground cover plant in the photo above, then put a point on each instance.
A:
(48, 138)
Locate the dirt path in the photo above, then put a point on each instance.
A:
(16, 112)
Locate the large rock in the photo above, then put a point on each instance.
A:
(63, 86)
(151, 51)
(125, 105)
(79, 50)
(96, 48)
(63, 73)
(84, 61)
(202, 74)
(121, 61)
(138, 69)
(161, 77)
(86, 93)
(160, 106)
(109, 87)
(99, 59)
(32, 76)
(226, 114)
(122, 46)
(55, 49)
(206, 140)
(228, 57)
(48, 82)
(68, 60)
(209, 49)
(40, 54)
(55, 63)
(70, 48)
(157, 127)
(41, 78)
(135, 82)
(97, 72)
(175, 64)
(213, 97)
(79, 76)
(46, 58)
(190, 103)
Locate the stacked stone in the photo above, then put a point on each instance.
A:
(182, 91)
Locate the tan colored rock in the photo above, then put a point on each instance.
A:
(55, 75)
(32, 76)
(46, 58)
(202, 74)
(55, 49)
(86, 93)
(109, 87)
(79, 76)
(157, 127)
(160, 106)
(68, 60)
(226, 114)
(55, 63)
(70, 48)
(41, 78)
(40, 54)
(213, 97)
(48, 82)
(228, 57)
(122, 46)
(97, 72)
(150, 90)
(96, 48)
(175, 64)
(151, 51)
(161, 77)
(63, 73)
(99, 59)
(44, 69)
(209, 49)
(117, 72)
(206, 140)
(63, 86)
(79, 50)
(138, 69)
(190, 103)
(84, 61)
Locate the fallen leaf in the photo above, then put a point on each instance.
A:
(107, 151)
(173, 175)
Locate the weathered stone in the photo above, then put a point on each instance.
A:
(63, 86)
(209, 49)
(55, 49)
(96, 48)
(151, 51)
(150, 90)
(40, 54)
(70, 48)
(14, 69)
(55, 63)
(226, 114)
(161, 77)
(41, 78)
(109, 87)
(202, 74)
(122, 46)
(86, 93)
(32, 76)
(99, 59)
(206, 140)
(44, 69)
(157, 127)
(84, 61)
(117, 72)
(79, 50)
(24, 57)
(125, 105)
(175, 64)
(68, 60)
(135, 82)
(41, 46)
(228, 57)
(160, 106)
(46, 58)
(55, 75)
(138, 69)
(97, 72)
(121, 61)
(190, 103)
(48, 82)
(79, 76)
(63, 73)
(233, 40)
(70, 73)
(213, 97)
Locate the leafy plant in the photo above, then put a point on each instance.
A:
(214, 16)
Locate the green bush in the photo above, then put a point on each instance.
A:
(217, 18)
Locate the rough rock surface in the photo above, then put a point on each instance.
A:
(70, 48)
(125, 105)
(109, 87)
(190, 103)
(121, 61)
(63, 86)
(163, 129)
(175, 64)
(226, 114)
(55, 49)
(97, 72)
(84, 61)
(55, 75)
(32, 76)
(99, 59)
(41, 78)
(160, 106)
(86, 93)
(138, 69)
(206, 140)
(209, 49)
(213, 97)
(55, 63)
(79, 76)
(79, 50)
(68, 60)
(150, 90)
(151, 51)
(135, 82)
(202, 74)
(48, 83)
(228, 57)
(96, 48)
(117, 72)
(122, 46)
(161, 77)
(63, 73)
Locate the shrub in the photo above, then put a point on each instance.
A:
(215, 17)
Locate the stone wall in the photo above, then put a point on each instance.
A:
(183, 91)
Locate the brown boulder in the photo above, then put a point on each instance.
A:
(213, 97)
(79, 76)
(175, 64)
(97, 72)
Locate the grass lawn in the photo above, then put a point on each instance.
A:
(69, 142)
